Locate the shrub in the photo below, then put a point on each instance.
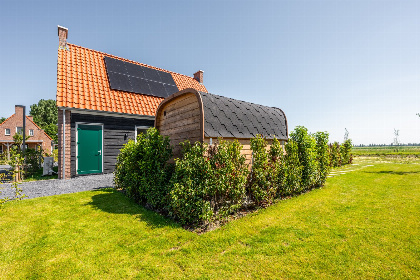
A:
(229, 175)
(262, 187)
(292, 170)
(307, 156)
(208, 182)
(34, 159)
(143, 171)
(322, 157)
(335, 155)
(345, 152)
(277, 165)
(190, 183)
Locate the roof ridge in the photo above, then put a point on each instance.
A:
(129, 60)
(241, 100)
(7, 118)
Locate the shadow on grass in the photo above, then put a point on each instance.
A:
(393, 172)
(113, 201)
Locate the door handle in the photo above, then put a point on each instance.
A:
(100, 152)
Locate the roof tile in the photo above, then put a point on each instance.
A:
(82, 83)
(228, 117)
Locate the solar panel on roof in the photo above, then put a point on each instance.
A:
(119, 81)
(152, 74)
(157, 89)
(126, 76)
(134, 70)
(170, 89)
(141, 85)
(166, 78)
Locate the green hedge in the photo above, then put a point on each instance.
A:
(209, 183)
(143, 171)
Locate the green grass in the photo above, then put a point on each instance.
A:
(364, 223)
(387, 150)
(37, 176)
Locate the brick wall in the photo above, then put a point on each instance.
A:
(67, 128)
(16, 120)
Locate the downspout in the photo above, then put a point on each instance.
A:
(64, 145)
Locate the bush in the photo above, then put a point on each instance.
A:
(277, 166)
(262, 187)
(143, 171)
(292, 170)
(335, 155)
(345, 152)
(307, 156)
(34, 159)
(229, 175)
(322, 157)
(208, 183)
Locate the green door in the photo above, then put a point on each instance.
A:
(89, 149)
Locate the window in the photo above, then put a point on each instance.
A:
(31, 132)
(7, 131)
(141, 129)
(19, 129)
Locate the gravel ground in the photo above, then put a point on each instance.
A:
(54, 187)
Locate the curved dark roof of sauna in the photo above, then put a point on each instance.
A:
(227, 117)
(230, 118)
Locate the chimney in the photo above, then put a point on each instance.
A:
(62, 37)
(199, 76)
(19, 110)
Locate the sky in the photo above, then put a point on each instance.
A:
(329, 65)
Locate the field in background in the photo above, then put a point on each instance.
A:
(363, 223)
(387, 150)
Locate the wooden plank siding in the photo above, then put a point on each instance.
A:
(180, 120)
(246, 146)
(114, 132)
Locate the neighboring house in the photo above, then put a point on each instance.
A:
(14, 124)
(201, 116)
(103, 101)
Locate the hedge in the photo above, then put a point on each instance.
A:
(208, 183)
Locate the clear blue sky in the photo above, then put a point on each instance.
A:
(329, 65)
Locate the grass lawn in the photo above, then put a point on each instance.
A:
(387, 150)
(365, 223)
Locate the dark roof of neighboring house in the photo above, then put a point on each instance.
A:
(83, 83)
(226, 117)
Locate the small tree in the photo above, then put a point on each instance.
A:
(17, 191)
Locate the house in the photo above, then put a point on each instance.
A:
(201, 116)
(103, 101)
(14, 124)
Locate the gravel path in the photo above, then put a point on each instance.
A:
(54, 187)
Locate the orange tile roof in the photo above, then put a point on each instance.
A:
(82, 83)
